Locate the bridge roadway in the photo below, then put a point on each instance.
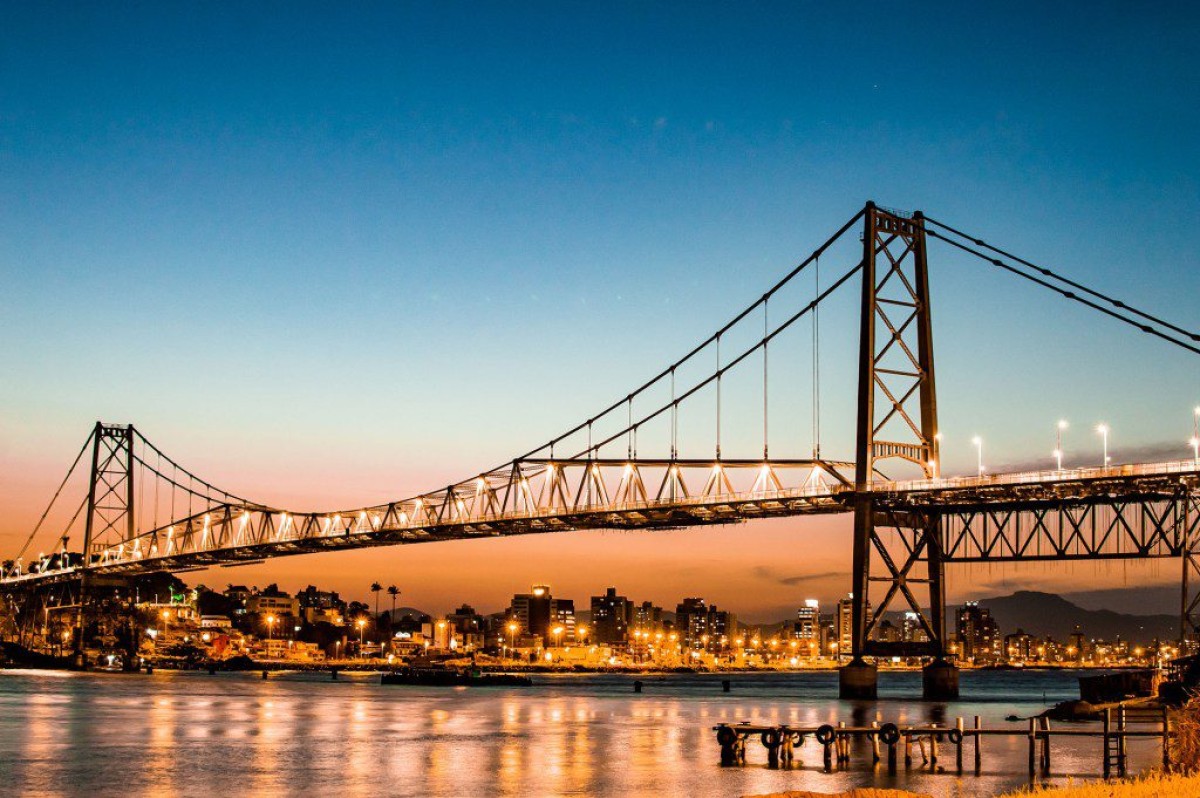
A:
(1126, 511)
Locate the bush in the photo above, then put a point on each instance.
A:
(1185, 737)
(1153, 785)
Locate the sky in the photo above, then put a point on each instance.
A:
(327, 257)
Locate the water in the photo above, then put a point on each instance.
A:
(302, 734)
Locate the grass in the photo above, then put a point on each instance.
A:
(1152, 785)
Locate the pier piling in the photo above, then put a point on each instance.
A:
(958, 744)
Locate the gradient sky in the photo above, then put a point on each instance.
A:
(334, 257)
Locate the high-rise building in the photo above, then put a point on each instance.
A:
(611, 617)
(562, 617)
(1018, 646)
(978, 633)
(912, 630)
(845, 624)
(532, 610)
(808, 620)
(648, 617)
(691, 620)
(701, 625)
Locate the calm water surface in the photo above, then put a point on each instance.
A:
(302, 734)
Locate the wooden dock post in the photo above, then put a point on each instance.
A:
(933, 752)
(875, 742)
(891, 758)
(907, 750)
(1121, 752)
(1106, 728)
(1045, 746)
(1166, 740)
(978, 754)
(1032, 746)
(958, 725)
(843, 744)
(827, 755)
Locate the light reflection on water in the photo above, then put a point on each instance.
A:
(234, 734)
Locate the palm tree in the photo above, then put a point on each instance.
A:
(375, 588)
(393, 591)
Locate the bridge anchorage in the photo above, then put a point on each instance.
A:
(142, 514)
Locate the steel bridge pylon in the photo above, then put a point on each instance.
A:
(897, 420)
(110, 508)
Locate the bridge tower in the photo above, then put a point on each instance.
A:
(110, 507)
(897, 426)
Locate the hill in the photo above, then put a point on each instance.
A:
(1050, 614)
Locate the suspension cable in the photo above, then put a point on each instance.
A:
(192, 477)
(1068, 294)
(1078, 286)
(668, 371)
(675, 400)
(50, 506)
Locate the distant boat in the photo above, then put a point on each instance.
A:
(453, 677)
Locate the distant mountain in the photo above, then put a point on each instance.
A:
(1050, 614)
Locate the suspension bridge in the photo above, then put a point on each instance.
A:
(143, 513)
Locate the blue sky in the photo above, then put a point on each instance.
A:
(338, 256)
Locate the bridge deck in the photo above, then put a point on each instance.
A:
(1012, 516)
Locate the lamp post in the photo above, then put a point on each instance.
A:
(1196, 435)
(512, 635)
(978, 441)
(1103, 430)
(1058, 446)
(270, 625)
(362, 622)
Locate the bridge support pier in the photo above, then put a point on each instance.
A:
(858, 681)
(939, 681)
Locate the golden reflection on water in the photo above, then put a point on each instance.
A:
(161, 745)
(234, 735)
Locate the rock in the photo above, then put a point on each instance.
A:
(1072, 710)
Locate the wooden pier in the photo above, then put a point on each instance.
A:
(890, 741)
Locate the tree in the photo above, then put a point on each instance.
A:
(393, 591)
(375, 588)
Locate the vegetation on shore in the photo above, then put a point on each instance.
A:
(1152, 785)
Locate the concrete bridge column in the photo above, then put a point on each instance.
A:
(858, 680)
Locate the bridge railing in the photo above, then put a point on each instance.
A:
(1182, 467)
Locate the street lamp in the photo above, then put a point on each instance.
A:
(1058, 447)
(1196, 435)
(362, 622)
(978, 441)
(270, 624)
(581, 633)
(1103, 430)
(512, 633)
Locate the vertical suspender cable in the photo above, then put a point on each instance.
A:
(629, 425)
(718, 398)
(816, 320)
(157, 484)
(766, 345)
(674, 417)
(137, 520)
